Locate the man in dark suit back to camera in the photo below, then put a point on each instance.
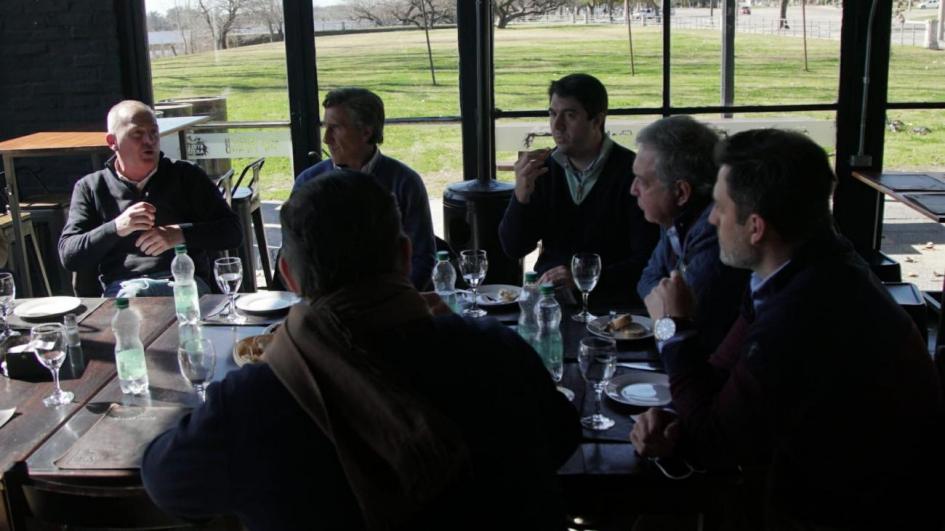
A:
(362, 414)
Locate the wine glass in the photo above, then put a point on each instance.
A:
(229, 275)
(47, 343)
(7, 294)
(474, 264)
(585, 270)
(597, 358)
(197, 360)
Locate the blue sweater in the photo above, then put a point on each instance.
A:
(414, 205)
(718, 289)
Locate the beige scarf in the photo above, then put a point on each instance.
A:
(398, 452)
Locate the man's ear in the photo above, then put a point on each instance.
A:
(288, 277)
(757, 228)
(683, 192)
(112, 140)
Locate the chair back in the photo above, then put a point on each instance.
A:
(256, 168)
(223, 182)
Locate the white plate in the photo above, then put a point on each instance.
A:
(45, 307)
(267, 302)
(489, 294)
(598, 327)
(639, 388)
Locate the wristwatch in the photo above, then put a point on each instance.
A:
(666, 327)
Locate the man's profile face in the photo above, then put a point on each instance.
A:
(347, 143)
(735, 248)
(576, 134)
(655, 199)
(137, 144)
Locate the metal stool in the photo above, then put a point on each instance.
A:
(248, 206)
(26, 224)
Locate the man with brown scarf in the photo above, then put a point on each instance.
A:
(364, 414)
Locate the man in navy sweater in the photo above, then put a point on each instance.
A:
(354, 130)
(125, 219)
(823, 386)
(361, 415)
(576, 198)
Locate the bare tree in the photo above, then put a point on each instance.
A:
(268, 13)
(783, 23)
(419, 13)
(186, 21)
(220, 16)
(509, 10)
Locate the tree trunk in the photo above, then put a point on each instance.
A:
(626, 16)
(804, 24)
(782, 23)
(426, 31)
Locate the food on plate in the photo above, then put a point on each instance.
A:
(623, 327)
(507, 295)
(620, 322)
(250, 349)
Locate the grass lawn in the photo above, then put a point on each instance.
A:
(769, 70)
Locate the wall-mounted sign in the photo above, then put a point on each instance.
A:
(238, 144)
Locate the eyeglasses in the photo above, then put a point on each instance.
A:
(675, 467)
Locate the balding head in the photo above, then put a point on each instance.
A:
(133, 136)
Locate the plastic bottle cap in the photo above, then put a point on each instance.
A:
(531, 277)
(180, 249)
(442, 255)
(121, 303)
(547, 289)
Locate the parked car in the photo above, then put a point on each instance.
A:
(928, 4)
(745, 10)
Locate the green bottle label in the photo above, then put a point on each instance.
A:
(131, 364)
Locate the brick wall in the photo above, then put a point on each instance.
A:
(59, 70)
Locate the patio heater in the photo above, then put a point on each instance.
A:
(473, 208)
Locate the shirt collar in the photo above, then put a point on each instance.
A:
(580, 182)
(761, 287)
(368, 167)
(137, 184)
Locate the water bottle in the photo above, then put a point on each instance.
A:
(444, 279)
(528, 319)
(129, 352)
(549, 344)
(73, 344)
(186, 301)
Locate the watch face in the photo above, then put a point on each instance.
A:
(664, 328)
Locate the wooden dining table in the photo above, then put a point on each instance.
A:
(34, 442)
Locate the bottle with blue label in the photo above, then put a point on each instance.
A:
(186, 298)
(129, 351)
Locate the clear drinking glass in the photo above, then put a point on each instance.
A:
(474, 265)
(7, 295)
(47, 342)
(585, 270)
(597, 359)
(229, 275)
(197, 360)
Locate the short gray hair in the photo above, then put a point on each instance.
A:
(685, 151)
(365, 108)
(124, 111)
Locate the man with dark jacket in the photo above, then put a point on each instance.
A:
(576, 197)
(674, 172)
(360, 416)
(125, 219)
(823, 383)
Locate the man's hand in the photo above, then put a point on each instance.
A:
(139, 216)
(672, 297)
(655, 433)
(437, 305)
(559, 276)
(528, 167)
(160, 239)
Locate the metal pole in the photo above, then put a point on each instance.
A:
(728, 55)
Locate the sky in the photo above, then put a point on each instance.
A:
(162, 6)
